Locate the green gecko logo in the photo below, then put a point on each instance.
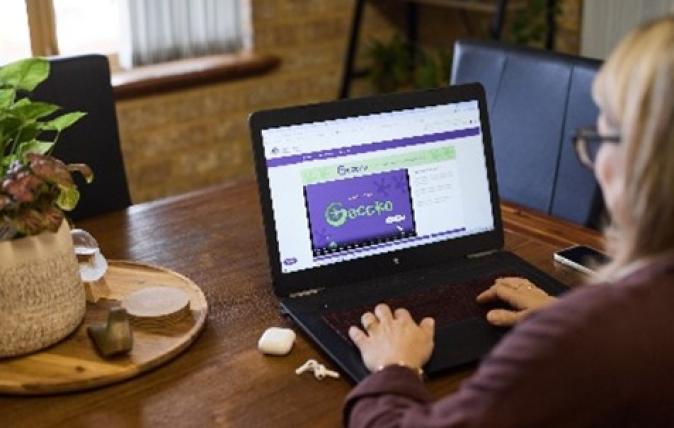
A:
(336, 215)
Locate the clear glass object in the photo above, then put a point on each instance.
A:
(93, 264)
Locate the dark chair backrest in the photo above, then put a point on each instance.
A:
(83, 83)
(536, 100)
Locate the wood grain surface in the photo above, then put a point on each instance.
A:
(186, 73)
(73, 364)
(215, 237)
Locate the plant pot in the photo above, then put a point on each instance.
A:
(41, 296)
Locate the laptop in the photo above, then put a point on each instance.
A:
(386, 199)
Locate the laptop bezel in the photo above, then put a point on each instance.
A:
(361, 269)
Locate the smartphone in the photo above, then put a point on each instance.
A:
(581, 258)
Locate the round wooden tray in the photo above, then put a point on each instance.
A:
(73, 364)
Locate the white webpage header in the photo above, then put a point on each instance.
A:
(338, 133)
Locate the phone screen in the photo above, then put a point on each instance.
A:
(585, 256)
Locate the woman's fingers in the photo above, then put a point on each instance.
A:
(504, 317)
(392, 340)
(500, 291)
(428, 325)
(383, 312)
(516, 297)
(487, 295)
(357, 336)
(516, 283)
(402, 313)
(367, 320)
(492, 293)
(518, 292)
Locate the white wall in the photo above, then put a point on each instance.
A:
(605, 22)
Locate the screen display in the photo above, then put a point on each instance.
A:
(355, 187)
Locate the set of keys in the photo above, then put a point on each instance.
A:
(319, 370)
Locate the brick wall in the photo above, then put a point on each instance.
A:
(569, 26)
(181, 141)
(185, 140)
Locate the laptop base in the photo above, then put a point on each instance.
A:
(456, 344)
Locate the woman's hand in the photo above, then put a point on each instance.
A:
(393, 338)
(519, 293)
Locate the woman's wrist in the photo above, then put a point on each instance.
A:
(417, 370)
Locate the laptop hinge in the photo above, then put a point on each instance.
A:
(482, 254)
(305, 293)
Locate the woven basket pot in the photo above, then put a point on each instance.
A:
(41, 296)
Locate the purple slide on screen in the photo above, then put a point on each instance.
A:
(359, 211)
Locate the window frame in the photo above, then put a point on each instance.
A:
(42, 27)
(42, 31)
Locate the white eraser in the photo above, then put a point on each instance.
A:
(276, 341)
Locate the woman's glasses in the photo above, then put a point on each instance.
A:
(587, 142)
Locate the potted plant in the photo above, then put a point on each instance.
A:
(393, 67)
(41, 296)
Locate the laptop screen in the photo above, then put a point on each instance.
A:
(354, 187)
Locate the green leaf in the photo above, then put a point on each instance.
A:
(9, 125)
(83, 169)
(34, 146)
(24, 74)
(7, 161)
(32, 110)
(22, 102)
(67, 198)
(28, 133)
(63, 122)
(7, 97)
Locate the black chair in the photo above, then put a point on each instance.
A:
(536, 100)
(83, 83)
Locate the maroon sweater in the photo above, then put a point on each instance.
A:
(603, 356)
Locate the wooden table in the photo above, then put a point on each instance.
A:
(215, 237)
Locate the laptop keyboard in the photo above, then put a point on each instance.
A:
(446, 304)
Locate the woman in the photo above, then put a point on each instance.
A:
(602, 356)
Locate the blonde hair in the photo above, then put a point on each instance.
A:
(635, 91)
